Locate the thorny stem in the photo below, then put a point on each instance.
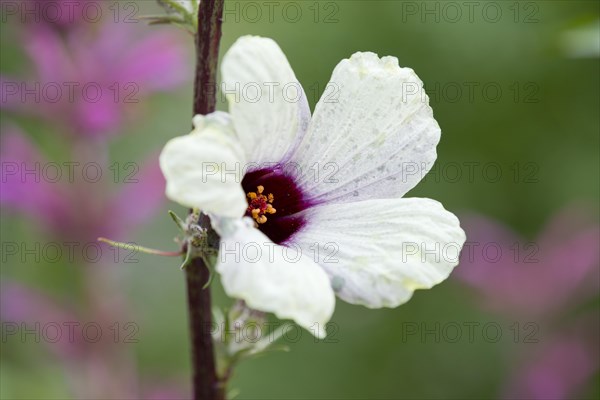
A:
(206, 384)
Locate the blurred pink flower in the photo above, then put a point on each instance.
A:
(98, 368)
(82, 209)
(23, 305)
(544, 280)
(138, 201)
(559, 367)
(24, 191)
(91, 80)
(119, 68)
(60, 14)
(532, 278)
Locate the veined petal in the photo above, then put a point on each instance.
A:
(273, 278)
(372, 135)
(204, 169)
(267, 103)
(377, 252)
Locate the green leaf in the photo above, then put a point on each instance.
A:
(188, 256)
(178, 221)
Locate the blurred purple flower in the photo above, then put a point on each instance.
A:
(90, 80)
(560, 367)
(69, 207)
(536, 278)
(136, 202)
(19, 304)
(60, 14)
(543, 280)
(96, 368)
(25, 191)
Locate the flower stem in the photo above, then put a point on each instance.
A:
(207, 53)
(206, 384)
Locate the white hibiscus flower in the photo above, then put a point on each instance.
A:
(312, 207)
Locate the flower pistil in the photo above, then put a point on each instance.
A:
(260, 205)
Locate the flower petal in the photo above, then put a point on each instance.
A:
(267, 103)
(377, 252)
(275, 279)
(372, 135)
(203, 169)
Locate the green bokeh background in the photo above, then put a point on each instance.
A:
(552, 124)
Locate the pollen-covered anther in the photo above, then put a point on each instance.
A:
(259, 205)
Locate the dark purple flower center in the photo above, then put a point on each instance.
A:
(274, 201)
